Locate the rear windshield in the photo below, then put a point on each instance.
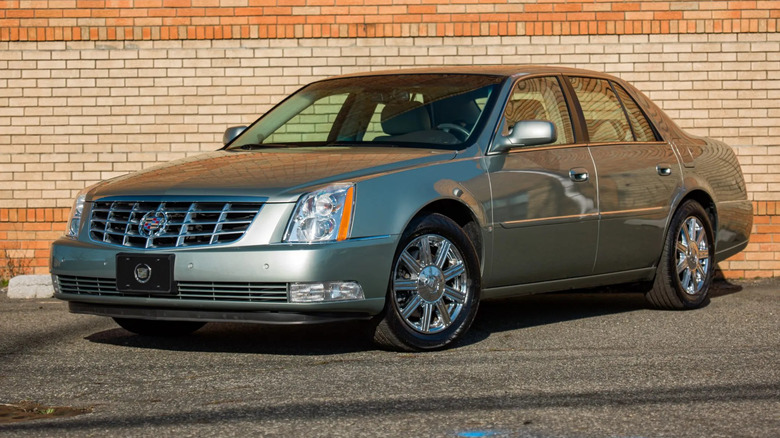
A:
(423, 110)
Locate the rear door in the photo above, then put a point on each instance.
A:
(638, 176)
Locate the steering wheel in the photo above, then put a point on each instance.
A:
(453, 128)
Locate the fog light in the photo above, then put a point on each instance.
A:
(325, 291)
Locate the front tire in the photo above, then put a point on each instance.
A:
(434, 288)
(686, 268)
(149, 327)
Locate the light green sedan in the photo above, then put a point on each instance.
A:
(404, 198)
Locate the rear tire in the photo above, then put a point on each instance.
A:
(150, 327)
(685, 271)
(434, 287)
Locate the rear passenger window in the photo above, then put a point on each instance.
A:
(601, 108)
(639, 124)
(539, 99)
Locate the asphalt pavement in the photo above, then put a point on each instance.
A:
(557, 365)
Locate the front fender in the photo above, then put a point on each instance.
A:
(385, 204)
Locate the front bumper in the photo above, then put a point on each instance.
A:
(90, 270)
(258, 316)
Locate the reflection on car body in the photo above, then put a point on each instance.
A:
(404, 198)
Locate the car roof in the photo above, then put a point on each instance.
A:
(491, 70)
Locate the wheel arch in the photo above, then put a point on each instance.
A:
(461, 214)
(393, 329)
(669, 290)
(705, 200)
(702, 198)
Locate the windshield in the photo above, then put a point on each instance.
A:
(420, 110)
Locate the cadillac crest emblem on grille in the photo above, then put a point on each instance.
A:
(153, 223)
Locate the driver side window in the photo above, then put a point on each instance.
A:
(539, 99)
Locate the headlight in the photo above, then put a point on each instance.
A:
(75, 215)
(322, 216)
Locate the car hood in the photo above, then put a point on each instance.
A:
(280, 175)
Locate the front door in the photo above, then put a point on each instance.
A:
(545, 212)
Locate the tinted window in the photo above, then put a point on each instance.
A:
(539, 99)
(312, 124)
(604, 116)
(642, 129)
(416, 110)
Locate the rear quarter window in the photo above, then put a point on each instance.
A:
(604, 115)
(643, 131)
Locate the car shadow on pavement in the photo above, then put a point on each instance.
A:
(354, 336)
(542, 309)
(538, 310)
(722, 288)
(225, 337)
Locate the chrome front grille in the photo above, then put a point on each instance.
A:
(187, 290)
(67, 284)
(223, 291)
(164, 224)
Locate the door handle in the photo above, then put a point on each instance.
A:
(664, 169)
(578, 175)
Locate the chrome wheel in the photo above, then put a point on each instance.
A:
(430, 284)
(685, 269)
(693, 255)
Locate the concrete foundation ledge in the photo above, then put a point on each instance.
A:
(30, 286)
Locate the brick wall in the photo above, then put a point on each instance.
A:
(762, 257)
(25, 237)
(214, 19)
(82, 106)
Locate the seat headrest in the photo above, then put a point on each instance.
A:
(404, 117)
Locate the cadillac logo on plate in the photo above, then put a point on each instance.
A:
(142, 273)
(153, 223)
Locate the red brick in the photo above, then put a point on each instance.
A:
(733, 274)
(36, 244)
(568, 7)
(667, 15)
(557, 18)
(762, 219)
(761, 238)
(742, 4)
(768, 229)
(20, 13)
(538, 7)
(177, 3)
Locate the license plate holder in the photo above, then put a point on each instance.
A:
(145, 273)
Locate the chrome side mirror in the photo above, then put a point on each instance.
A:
(231, 133)
(527, 133)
